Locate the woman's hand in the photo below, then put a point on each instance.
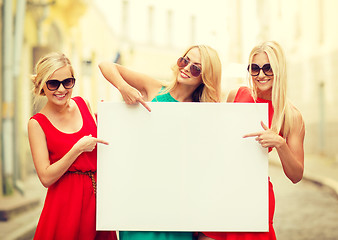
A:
(290, 152)
(49, 173)
(267, 138)
(133, 96)
(88, 143)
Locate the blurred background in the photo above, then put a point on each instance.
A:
(149, 36)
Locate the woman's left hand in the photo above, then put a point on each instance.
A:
(267, 138)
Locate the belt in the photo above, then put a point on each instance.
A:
(89, 174)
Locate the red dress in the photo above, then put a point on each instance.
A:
(244, 95)
(69, 209)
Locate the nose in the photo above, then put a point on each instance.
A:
(261, 73)
(61, 88)
(187, 68)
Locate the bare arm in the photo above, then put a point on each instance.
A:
(135, 87)
(90, 110)
(50, 173)
(290, 151)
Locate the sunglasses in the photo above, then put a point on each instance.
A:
(254, 69)
(67, 83)
(194, 69)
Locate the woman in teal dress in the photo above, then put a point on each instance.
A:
(196, 78)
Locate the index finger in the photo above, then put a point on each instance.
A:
(144, 104)
(252, 135)
(102, 141)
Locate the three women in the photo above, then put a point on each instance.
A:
(197, 78)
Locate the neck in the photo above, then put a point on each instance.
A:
(183, 93)
(57, 109)
(266, 95)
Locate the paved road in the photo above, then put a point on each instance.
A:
(304, 211)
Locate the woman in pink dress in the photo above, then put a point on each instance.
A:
(286, 129)
(63, 141)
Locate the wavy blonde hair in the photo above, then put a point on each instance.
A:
(284, 112)
(44, 69)
(210, 88)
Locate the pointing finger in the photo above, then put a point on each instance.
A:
(102, 141)
(252, 135)
(144, 104)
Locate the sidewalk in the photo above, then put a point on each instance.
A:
(23, 210)
(318, 169)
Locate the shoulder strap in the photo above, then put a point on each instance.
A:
(83, 108)
(43, 121)
(244, 95)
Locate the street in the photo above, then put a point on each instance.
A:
(304, 211)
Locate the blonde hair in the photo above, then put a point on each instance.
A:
(210, 89)
(45, 68)
(283, 110)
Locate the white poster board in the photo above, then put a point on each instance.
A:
(181, 167)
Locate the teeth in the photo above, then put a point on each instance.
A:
(60, 96)
(184, 75)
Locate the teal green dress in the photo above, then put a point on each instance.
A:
(136, 235)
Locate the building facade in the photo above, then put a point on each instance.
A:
(149, 36)
(32, 29)
(305, 29)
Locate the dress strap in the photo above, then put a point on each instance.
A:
(43, 121)
(86, 114)
(244, 95)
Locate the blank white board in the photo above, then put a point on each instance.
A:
(181, 167)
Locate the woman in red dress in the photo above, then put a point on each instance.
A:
(286, 129)
(62, 138)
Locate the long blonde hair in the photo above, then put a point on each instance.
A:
(44, 69)
(210, 88)
(283, 110)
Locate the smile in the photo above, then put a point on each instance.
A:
(263, 81)
(60, 95)
(184, 75)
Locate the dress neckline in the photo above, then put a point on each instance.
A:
(67, 133)
(263, 100)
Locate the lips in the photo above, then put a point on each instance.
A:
(184, 75)
(263, 80)
(60, 95)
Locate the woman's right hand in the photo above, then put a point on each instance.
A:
(88, 143)
(49, 172)
(132, 96)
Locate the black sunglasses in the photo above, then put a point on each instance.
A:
(254, 69)
(67, 83)
(194, 69)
